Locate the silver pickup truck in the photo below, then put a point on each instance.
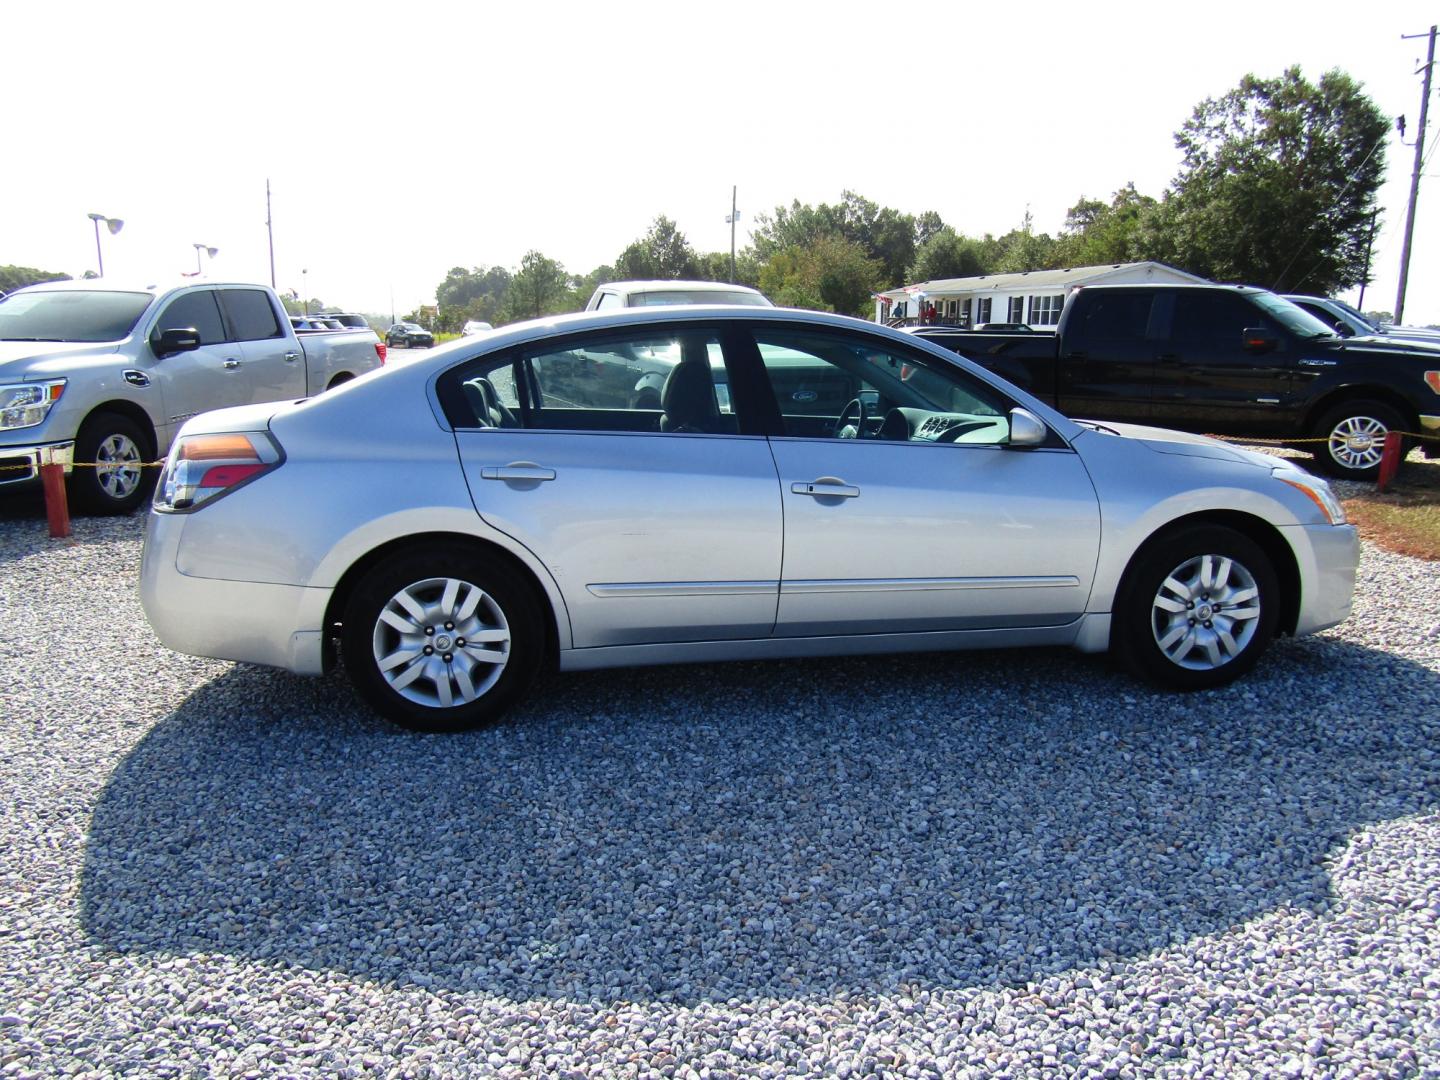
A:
(98, 377)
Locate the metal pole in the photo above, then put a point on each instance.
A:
(732, 234)
(100, 258)
(1414, 180)
(270, 231)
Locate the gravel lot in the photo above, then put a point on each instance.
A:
(974, 865)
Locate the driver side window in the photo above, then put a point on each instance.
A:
(835, 386)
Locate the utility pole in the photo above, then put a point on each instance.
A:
(733, 217)
(1414, 176)
(1369, 247)
(270, 230)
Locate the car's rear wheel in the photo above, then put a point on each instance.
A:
(1354, 434)
(1197, 608)
(110, 475)
(441, 639)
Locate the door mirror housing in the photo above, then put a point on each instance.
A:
(175, 340)
(1258, 339)
(1026, 429)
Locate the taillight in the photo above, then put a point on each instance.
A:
(1432, 380)
(380, 350)
(204, 467)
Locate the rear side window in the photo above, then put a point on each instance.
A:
(608, 300)
(195, 311)
(252, 316)
(1213, 316)
(1111, 316)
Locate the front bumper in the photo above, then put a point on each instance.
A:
(256, 622)
(19, 464)
(1327, 557)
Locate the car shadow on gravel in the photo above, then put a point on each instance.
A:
(708, 833)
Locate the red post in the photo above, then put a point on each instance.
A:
(1390, 459)
(57, 510)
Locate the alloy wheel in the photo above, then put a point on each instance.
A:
(1205, 612)
(441, 642)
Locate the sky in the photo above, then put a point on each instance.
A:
(402, 140)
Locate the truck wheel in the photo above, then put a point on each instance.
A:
(110, 477)
(1354, 434)
(441, 639)
(1196, 608)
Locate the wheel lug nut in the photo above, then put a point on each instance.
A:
(429, 631)
(448, 658)
(459, 642)
(428, 650)
(1192, 622)
(1208, 625)
(449, 626)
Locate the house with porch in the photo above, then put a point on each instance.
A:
(1031, 298)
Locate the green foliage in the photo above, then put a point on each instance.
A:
(887, 236)
(540, 287)
(472, 294)
(828, 274)
(947, 254)
(17, 277)
(662, 254)
(1096, 232)
(1278, 184)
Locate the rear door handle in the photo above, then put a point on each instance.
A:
(231, 365)
(291, 357)
(517, 470)
(826, 487)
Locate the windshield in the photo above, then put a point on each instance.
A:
(1293, 318)
(1356, 314)
(697, 296)
(71, 315)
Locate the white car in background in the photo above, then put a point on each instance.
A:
(623, 294)
(475, 326)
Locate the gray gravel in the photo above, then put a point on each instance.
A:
(989, 864)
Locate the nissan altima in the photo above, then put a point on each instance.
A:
(795, 484)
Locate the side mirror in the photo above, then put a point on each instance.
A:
(1026, 429)
(1258, 339)
(175, 340)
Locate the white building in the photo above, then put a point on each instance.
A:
(1033, 298)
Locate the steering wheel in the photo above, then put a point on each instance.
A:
(844, 430)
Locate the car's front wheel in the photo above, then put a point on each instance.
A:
(441, 639)
(1197, 608)
(1354, 434)
(110, 476)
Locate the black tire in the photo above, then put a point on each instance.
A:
(393, 343)
(110, 454)
(340, 380)
(1150, 638)
(1355, 433)
(507, 609)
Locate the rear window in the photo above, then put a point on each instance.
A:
(252, 316)
(71, 315)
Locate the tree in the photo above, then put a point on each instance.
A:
(539, 287)
(1098, 232)
(886, 236)
(17, 277)
(1278, 183)
(829, 274)
(472, 294)
(947, 254)
(662, 254)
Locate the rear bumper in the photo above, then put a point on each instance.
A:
(19, 464)
(255, 622)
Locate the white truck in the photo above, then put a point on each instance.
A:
(98, 377)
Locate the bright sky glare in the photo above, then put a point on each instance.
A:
(402, 140)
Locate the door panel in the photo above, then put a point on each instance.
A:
(933, 537)
(274, 362)
(210, 377)
(650, 537)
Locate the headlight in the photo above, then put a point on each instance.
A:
(24, 405)
(1317, 491)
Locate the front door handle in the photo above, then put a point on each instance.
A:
(517, 470)
(827, 487)
(231, 365)
(291, 357)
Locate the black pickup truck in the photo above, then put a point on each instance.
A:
(1220, 359)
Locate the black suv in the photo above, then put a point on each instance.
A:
(410, 335)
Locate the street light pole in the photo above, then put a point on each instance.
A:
(211, 251)
(114, 225)
(305, 288)
(731, 219)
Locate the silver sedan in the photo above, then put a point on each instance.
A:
(698, 484)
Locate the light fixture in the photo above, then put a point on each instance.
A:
(211, 251)
(114, 225)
